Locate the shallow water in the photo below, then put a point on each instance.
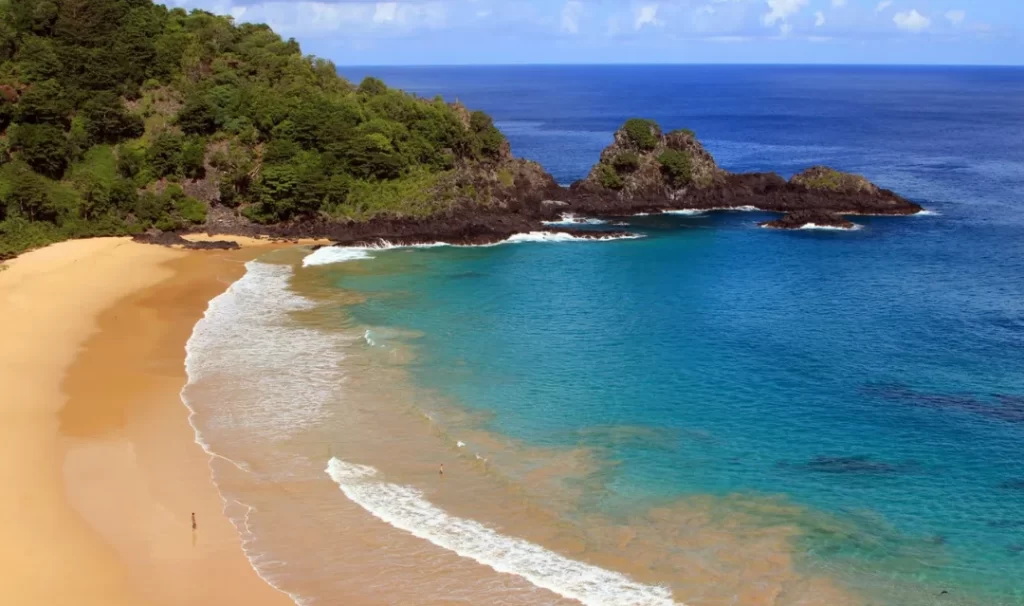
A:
(734, 414)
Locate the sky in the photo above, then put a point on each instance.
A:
(458, 32)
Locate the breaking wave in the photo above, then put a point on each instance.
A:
(340, 254)
(571, 219)
(405, 508)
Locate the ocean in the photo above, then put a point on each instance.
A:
(713, 413)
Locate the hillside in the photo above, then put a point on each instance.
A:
(117, 116)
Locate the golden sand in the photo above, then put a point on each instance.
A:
(98, 462)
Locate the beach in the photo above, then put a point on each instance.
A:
(100, 467)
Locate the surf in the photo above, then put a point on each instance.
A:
(405, 508)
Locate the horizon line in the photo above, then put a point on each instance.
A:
(482, 65)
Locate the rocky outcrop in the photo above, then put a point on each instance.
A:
(824, 178)
(646, 171)
(645, 164)
(164, 238)
(810, 218)
(643, 171)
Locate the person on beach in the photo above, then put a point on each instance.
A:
(193, 520)
(441, 471)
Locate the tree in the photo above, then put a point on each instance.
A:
(676, 166)
(108, 121)
(43, 147)
(37, 60)
(29, 196)
(164, 156)
(131, 160)
(372, 87)
(44, 102)
(192, 155)
(198, 117)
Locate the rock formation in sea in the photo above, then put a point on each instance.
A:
(644, 170)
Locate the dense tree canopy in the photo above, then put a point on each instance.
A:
(120, 115)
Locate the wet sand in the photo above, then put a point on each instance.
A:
(99, 465)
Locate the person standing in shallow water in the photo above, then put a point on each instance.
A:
(440, 471)
(193, 520)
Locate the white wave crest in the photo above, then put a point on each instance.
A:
(335, 254)
(405, 508)
(340, 254)
(829, 227)
(927, 213)
(685, 212)
(815, 226)
(557, 236)
(571, 219)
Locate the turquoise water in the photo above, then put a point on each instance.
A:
(874, 377)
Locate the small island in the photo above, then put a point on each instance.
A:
(129, 118)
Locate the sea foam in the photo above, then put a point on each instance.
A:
(405, 508)
(240, 340)
(340, 254)
(571, 219)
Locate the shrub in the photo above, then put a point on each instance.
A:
(642, 133)
(676, 166)
(626, 162)
(607, 177)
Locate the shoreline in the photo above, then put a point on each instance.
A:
(100, 459)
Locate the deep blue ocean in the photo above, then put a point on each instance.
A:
(875, 376)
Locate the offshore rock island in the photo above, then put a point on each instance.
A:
(123, 117)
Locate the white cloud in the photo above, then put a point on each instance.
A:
(956, 17)
(912, 21)
(571, 13)
(785, 28)
(819, 19)
(780, 10)
(646, 15)
(884, 4)
(838, 3)
(309, 18)
(385, 12)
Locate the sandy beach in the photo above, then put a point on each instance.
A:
(99, 465)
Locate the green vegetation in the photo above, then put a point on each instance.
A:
(608, 177)
(829, 179)
(643, 133)
(676, 166)
(111, 110)
(626, 162)
(683, 131)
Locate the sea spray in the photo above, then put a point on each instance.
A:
(406, 508)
